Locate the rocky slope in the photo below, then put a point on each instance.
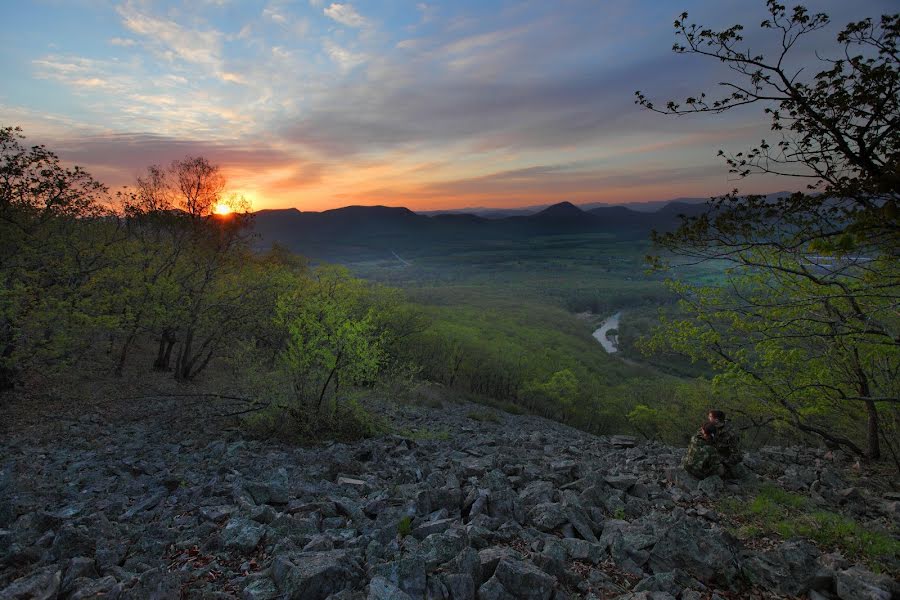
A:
(161, 499)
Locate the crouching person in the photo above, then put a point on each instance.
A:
(702, 459)
(727, 443)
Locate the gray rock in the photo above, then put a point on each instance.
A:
(524, 580)
(792, 568)
(711, 486)
(428, 528)
(314, 575)
(242, 534)
(460, 586)
(856, 583)
(43, 584)
(217, 514)
(262, 588)
(406, 573)
(492, 589)
(547, 516)
(84, 588)
(382, 589)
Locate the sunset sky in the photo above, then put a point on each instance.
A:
(316, 104)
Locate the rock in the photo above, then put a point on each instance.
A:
(491, 557)
(85, 588)
(78, 567)
(672, 582)
(260, 589)
(707, 553)
(524, 580)
(792, 568)
(242, 534)
(460, 586)
(711, 486)
(428, 528)
(856, 583)
(621, 482)
(494, 590)
(156, 583)
(39, 585)
(314, 575)
(682, 479)
(547, 516)
(217, 514)
(583, 550)
(406, 573)
(382, 589)
(623, 441)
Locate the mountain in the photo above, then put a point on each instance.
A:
(359, 232)
(563, 210)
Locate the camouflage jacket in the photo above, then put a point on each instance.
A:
(702, 459)
(728, 445)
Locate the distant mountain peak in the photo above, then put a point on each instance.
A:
(562, 209)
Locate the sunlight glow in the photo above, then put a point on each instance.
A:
(222, 209)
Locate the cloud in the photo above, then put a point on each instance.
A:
(170, 41)
(345, 14)
(345, 59)
(124, 42)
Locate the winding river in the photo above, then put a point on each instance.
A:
(611, 345)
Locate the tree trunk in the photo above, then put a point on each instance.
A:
(184, 362)
(126, 346)
(873, 449)
(164, 354)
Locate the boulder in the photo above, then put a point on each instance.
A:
(523, 580)
(856, 583)
(314, 575)
(242, 534)
(792, 569)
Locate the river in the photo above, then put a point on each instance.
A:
(610, 345)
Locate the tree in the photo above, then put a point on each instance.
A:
(55, 236)
(187, 263)
(332, 337)
(807, 319)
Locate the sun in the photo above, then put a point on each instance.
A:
(222, 209)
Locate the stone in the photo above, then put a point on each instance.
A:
(217, 514)
(260, 589)
(43, 584)
(494, 590)
(856, 583)
(313, 575)
(242, 534)
(461, 586)
(85, 588)
(406, 573)
(382, 589)
(430, 527)
(547, 516)
(792, 568)
(524, 580)
(711, 486)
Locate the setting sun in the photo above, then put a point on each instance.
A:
(222, 209)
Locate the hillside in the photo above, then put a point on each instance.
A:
(165, 499)
(360, 231)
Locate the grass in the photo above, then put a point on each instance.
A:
(404, 527)
(787, 515)
(441, 435)
(484, 416)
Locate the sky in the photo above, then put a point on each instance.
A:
(316, 104)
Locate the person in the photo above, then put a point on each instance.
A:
(702, 459)
(727, 443)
